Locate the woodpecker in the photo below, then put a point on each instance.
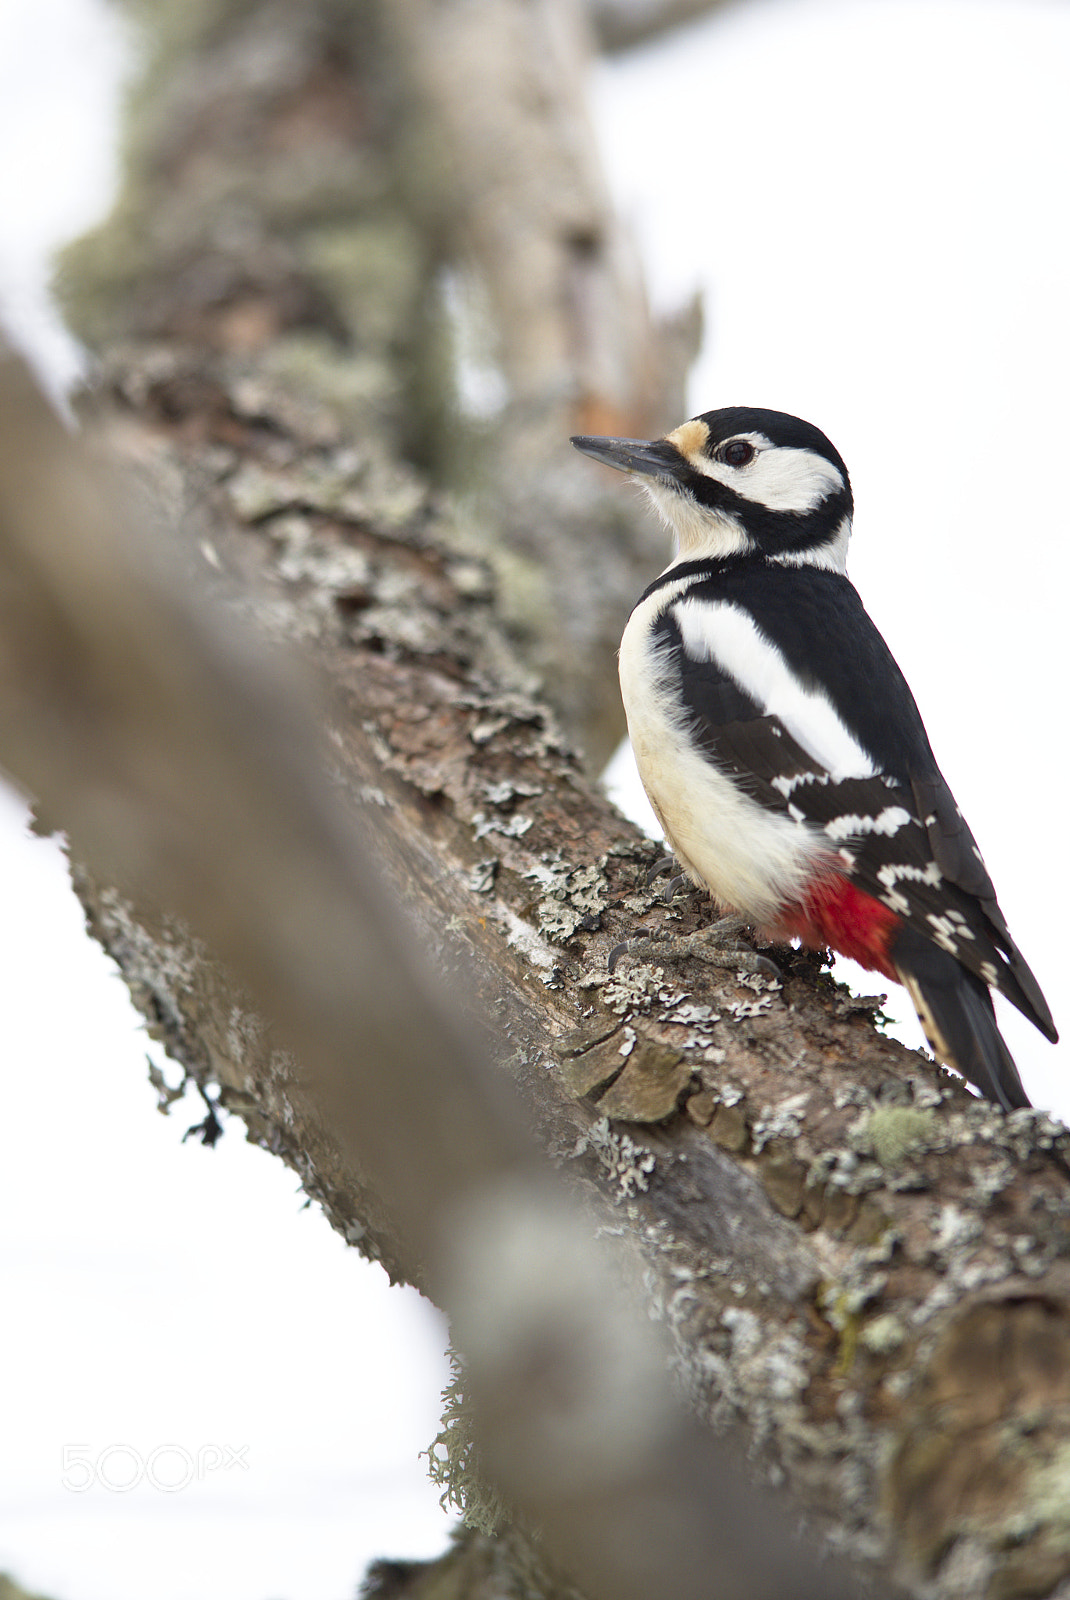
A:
(780, 745)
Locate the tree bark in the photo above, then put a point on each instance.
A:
(185, 763)
(863, 1270)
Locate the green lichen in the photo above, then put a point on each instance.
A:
(1048, 1497)
(894, 1133)
(371, 268)
(883, 1335)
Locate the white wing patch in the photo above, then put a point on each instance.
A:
(888, 821)
(723, 633)
(894, 872)
(787, 783)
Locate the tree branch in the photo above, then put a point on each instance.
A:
(624, 24)
(182, 759)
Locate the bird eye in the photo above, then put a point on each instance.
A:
(738, 452)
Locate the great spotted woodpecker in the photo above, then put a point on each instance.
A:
(780, 745)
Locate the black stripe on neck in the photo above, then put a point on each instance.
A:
(710, 567)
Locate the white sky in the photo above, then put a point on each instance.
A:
(164, 1295)
(872, 195)
(60, 67)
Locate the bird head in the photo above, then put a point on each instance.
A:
(742, 481)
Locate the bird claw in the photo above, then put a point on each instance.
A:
(662, 865)
(658, 870)
(631, 947)
(618, 950)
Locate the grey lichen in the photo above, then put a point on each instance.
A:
(572, 900)
(742, 1009)
(747, 1372)
(326, 564)
(633, 992)
(160, 966)
(504, 791)
(245, 1029)
(783, 1121)
(480, 879)
(955, 1230)
(699, 1016)
(625, 1163)
(514, 827)
(453, 1462)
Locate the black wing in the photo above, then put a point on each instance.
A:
(898, 833)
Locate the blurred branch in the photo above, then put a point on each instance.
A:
(498, 160)
(625, 24)
(308, 183)
(185, 765)
(182, 761)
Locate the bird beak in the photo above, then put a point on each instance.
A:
(655, 458)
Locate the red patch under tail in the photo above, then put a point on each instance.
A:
(836, 913)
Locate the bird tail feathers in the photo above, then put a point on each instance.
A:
(956, 1013)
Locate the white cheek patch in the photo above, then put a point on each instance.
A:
(782, 477)
(727, 635)
(789, 480)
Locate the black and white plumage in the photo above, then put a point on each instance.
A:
(780, 745)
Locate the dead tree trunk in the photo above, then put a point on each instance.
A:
(863, 1269)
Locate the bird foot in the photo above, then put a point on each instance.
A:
(721, 946)
(718, 946)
